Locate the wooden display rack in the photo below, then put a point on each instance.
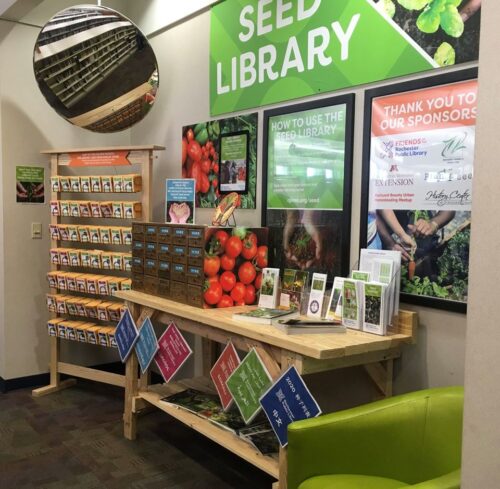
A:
(308, 353)
(97, 159)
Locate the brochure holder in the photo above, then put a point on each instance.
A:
(394, 321)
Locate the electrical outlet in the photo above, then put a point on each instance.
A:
(36, 230)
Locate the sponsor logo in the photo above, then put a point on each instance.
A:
(453, 150)
(455, 197)
(387, 151)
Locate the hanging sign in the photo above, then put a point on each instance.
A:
(288, 400)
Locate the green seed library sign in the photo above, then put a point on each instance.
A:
(268, 51)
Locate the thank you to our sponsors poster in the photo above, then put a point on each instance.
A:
(422, 149)
(421, 170)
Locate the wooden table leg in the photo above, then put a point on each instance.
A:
(55, 377)
(381, 374)
(209, 355)
(131, 385)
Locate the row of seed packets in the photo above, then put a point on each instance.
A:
(106, 260)
(95, 209)
(84, 306)
(83, 331)
(88, 283)
(96, 183)
(91, 234)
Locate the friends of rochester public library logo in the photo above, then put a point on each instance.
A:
(453, 149)
(387, 150)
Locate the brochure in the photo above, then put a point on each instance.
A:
(269, 288)
(261, 315)
(359, 275)
(335, 305)
(367, 260)
(316, 295)
(293, 288)
(352, 306)
(374, 308)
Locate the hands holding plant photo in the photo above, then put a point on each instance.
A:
(303, 239)
(179, 213)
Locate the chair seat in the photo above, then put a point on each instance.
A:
(350, 481)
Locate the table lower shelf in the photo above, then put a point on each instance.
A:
(228, 440)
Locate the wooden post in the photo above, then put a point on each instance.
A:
(131, 384)
(287, 360)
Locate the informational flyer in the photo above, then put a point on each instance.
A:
(420, 188)
(306, 159)
(233, 168)
(147, 345)
(225, 365)
(286, 401)
(247, 384)
(173, 352)
(30, 184)
(126, 335)
(180, 200)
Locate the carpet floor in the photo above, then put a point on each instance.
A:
(74, 439)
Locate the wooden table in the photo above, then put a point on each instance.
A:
(279, 351)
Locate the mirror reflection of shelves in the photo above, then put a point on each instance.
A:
(76, 70)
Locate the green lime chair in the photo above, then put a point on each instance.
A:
(413, 440)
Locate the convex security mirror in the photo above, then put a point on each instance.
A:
(95, 68)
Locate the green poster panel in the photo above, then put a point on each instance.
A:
(264, 52)
(247, 384)
(305, 160)
(307, 185)
(30, 184)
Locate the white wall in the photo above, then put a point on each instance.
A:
(183, 55)
(481, 446)
(28, 126)
(2, 275)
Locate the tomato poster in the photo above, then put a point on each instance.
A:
(419, 196)
(307, 185)
(221, 156)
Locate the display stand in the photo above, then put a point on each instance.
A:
(308, 353)
(95, 161)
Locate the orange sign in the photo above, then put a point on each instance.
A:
(439, 107)
(99, 158)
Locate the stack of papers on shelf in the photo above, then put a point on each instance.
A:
(263, 315)
(207, 406)
(304, 325)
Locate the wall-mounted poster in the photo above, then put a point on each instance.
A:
(264, 52)
(221, 156)
(179, 200)
(307, 185)
(30, 184)
(417, 177)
